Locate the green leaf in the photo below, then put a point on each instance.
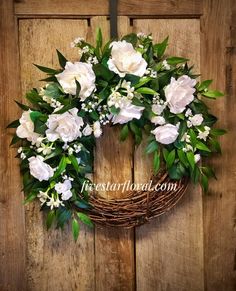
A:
(213, 94)
(49, 71)
(215, 145)
(50, 218)
(132, 38)
(14, 140)
(204, 85)
(208, 171)
(151, 147)
(159, 48)
(22, 106)
(34, 115)
(136, 131)
(75, 229)
(30, 197)
(201, 146)
(176, 60)
(124, 132)
(204, 182)
(142, 82)
(170, 159)
(193, 137)
(190, 157)
(146, 90)
(74, 162)
(62, 59)
(182, 157)
(165, 153)
(176, 172)
(103, 72)
(99, 38)
(53, 90)
(156, 162)
(14, 124)
(218, 131)
(85, 219)
(61, 167)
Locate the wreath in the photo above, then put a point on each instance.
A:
(130, 83)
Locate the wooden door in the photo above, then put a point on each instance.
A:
(192, 247)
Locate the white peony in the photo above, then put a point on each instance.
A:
(196, 120)
(65, 127)
(26, 128)
(83, 73)
(39, 169)
(166, 134)
(158, 120)
(128, 113)
(179, 93)
(64, 189)
(97, 131)
(126, 60)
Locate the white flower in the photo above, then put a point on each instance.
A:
(26, 128)
(166, 134)
(185, 137)
(65, 127)
(42, 197)
(83, 73)
(158, 120)
(77, 41)
(127, 113)
(45, 149)
(204, 134)
(197, 158)
(39, 169)
(188, 112)
(87, 130)
(189, 123)
(54, 203)
(158, 109)
(166, 65)
(196, 120)
(64, 189)
(126, 60)
(97, 131)
(179, 93)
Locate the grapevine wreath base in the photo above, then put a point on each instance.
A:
(138, 207)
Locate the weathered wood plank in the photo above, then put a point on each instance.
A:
(12, 240)
(218, 60)
(53, 260)
(114, 248)
(100, 7)
(169, 251)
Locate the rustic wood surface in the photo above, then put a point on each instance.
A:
(190, 248)
(101, 7)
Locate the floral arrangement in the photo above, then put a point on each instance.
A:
(130, 83)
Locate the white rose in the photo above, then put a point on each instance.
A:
(39, 169)
(65, 127)
(83, 73)
(158, 120)
(179, 93)
(126, 60)
(196, 120)
(64, 189)
(158, 108)
(166, 134)
(97, 131)
(128, 113)
(87, 130)
(26, 128)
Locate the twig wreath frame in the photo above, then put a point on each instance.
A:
(128, 82)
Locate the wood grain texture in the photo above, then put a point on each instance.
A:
(169, 251)
(218, 59)
(100, 7)
(114, 248)
(53, 260)
(12, 239)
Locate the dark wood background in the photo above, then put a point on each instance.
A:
(193, 248)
